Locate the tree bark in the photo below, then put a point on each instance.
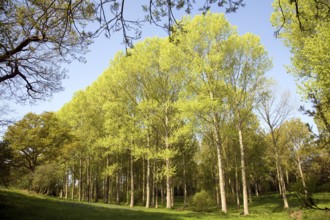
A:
(148, 184)
(73, 183)
(218, 143)
(66, 182)
(302, 175)
(238, 205)
(117, 188)
(106, 184)
(143, 181)
(168, 165)
(185, 203)
(132, 183)
(80, 179)
(244, 182)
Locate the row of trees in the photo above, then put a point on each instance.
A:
(168, 119)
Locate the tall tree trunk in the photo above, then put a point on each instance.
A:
(117, 188)
(168, 165)
(283, 187)
(66, 182)
(148, 174)
(73, 182)
(256, 188)
(218, 143)
(185, 203)
(172, 196)
(238, 205)
(132, 183)
(80, 179)
(127, 182)
(302, 175)
(278, 177)
(280, 172)
(148, 184)
(88, 180)
(156, 195)
(162, 192)
(244, 182)
(106, 184)
(96, 184)
(153, 191)
(143, 181)
(217, 194)
(220, 171)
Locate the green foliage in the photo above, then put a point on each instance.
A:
(306, 33)
(202, 202)
(47, 179)
(34, 141)
(5, 158)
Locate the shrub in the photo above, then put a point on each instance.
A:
(202, 202)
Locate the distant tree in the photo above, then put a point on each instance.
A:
(273, 113)
(34, 140)
(5, 162)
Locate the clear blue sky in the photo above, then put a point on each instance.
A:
(254, 18)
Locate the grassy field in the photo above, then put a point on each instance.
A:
(16, 204)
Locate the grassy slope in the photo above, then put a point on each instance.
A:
(16, 204)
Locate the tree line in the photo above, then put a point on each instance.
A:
(171, 118)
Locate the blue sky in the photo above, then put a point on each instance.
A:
(254, 18)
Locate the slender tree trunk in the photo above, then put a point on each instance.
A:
(244, 182)
(232, 189)
(256, 188)
(168, 165)
(148, 174)
(283, 187)
(238, 205)
(143, 181)
(280, 173)
(218, 143)
(117, 188)
(249, 191)
(278, 177)
(156, 202)
(172, 196)
(106, 184)
(132, 183)
(66, 182)
(153, 188)
(80, 179)
(127, 182)
(302, 175)
(148, 184)
(185, 203)
(217, 194)
(162, 192)
(73, 183)
(88, 180)
(287, 176)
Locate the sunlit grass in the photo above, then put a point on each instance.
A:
(16, 204)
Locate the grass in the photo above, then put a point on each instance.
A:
(17, 204)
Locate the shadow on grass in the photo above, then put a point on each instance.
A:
(15, 205)
(272, 203)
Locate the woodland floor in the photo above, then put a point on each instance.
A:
(17, 204)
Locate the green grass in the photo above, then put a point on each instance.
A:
(16, 204)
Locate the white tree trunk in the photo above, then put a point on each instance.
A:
(244, 185)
